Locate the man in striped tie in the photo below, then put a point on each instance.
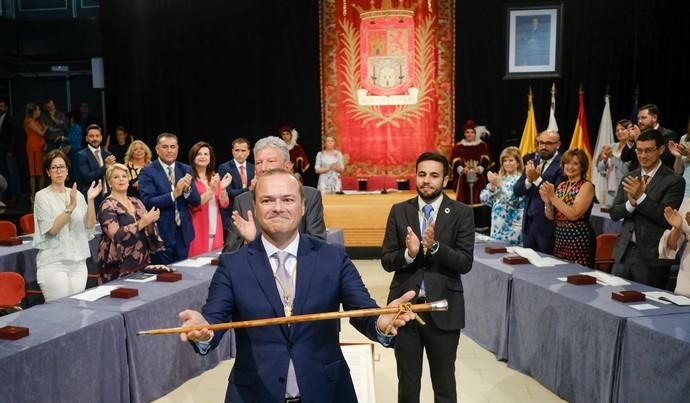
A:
(281, 273)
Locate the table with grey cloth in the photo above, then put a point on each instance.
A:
(22, 258)
(159, 364)
(602, 222)
(487, 297)
(654, 360)
(70, 355)
(568, 337)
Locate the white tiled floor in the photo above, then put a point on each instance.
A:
(481, 378)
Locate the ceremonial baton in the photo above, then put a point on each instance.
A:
(441, 305)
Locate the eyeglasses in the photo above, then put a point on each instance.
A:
(547, 143)
(58, 168)
(646, 150)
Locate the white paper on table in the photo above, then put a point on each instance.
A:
(481, 238)
(360, 359)
(606, 279)
(534, 258)
(643, 307)
(656, 296)
(96, 293)
(667, 297)
(198, 262)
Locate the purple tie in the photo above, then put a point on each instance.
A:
(291, 387)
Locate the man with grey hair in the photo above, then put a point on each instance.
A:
(271, 153)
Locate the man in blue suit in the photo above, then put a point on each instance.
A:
(538, 231)
(166, 185)
(242, 173)
(92, 162)
(281, 273)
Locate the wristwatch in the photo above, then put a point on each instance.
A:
(434, 248)
(68, 211)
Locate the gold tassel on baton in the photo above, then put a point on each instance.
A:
(441, 305)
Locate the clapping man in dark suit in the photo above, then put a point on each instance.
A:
(242, 172)
(429, 243)
(282, 273)
(640, 201)
(648, 119)
(271, 153)
(538, 231)
(167, 185)
(92, 162)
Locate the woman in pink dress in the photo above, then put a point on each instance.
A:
(208, 225)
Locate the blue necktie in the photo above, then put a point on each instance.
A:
(428, 209)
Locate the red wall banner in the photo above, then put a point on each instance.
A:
(387, 78)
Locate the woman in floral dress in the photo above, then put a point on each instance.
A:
(130, 235)
(506, 209)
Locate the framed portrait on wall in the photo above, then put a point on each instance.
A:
(534, 41)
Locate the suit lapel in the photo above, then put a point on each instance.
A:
(442, 216)
(261, 267)
(306, 265)
(412, 215)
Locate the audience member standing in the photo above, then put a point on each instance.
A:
(271, 153)
(640, 202)
(429, 244)
(470, 160)
(609, 163)
(628, 154)
(681, 152)
(75, 136)
(8, 145)
(329, 166)
(673, 239)
(298, 157)
(648, 119)
(242, 172)
(64, 223)
(35, 145)
(208, 225)
(119, 144)
(537, 230)
(506, 209)
(570, 204)
(130, 235)
(92, 162)
(138, 155)
(56, 123)
(167, 185)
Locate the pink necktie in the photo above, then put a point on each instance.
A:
(243, 175)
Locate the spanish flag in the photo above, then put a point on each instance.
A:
(529, 133)
(581, 134)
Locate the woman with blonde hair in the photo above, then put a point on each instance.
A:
(329, 166)
(506, 208)
(130, 235)
(138, 155)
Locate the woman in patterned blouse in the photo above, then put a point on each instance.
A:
(130, 235)
(506, 209)
(570, 204)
